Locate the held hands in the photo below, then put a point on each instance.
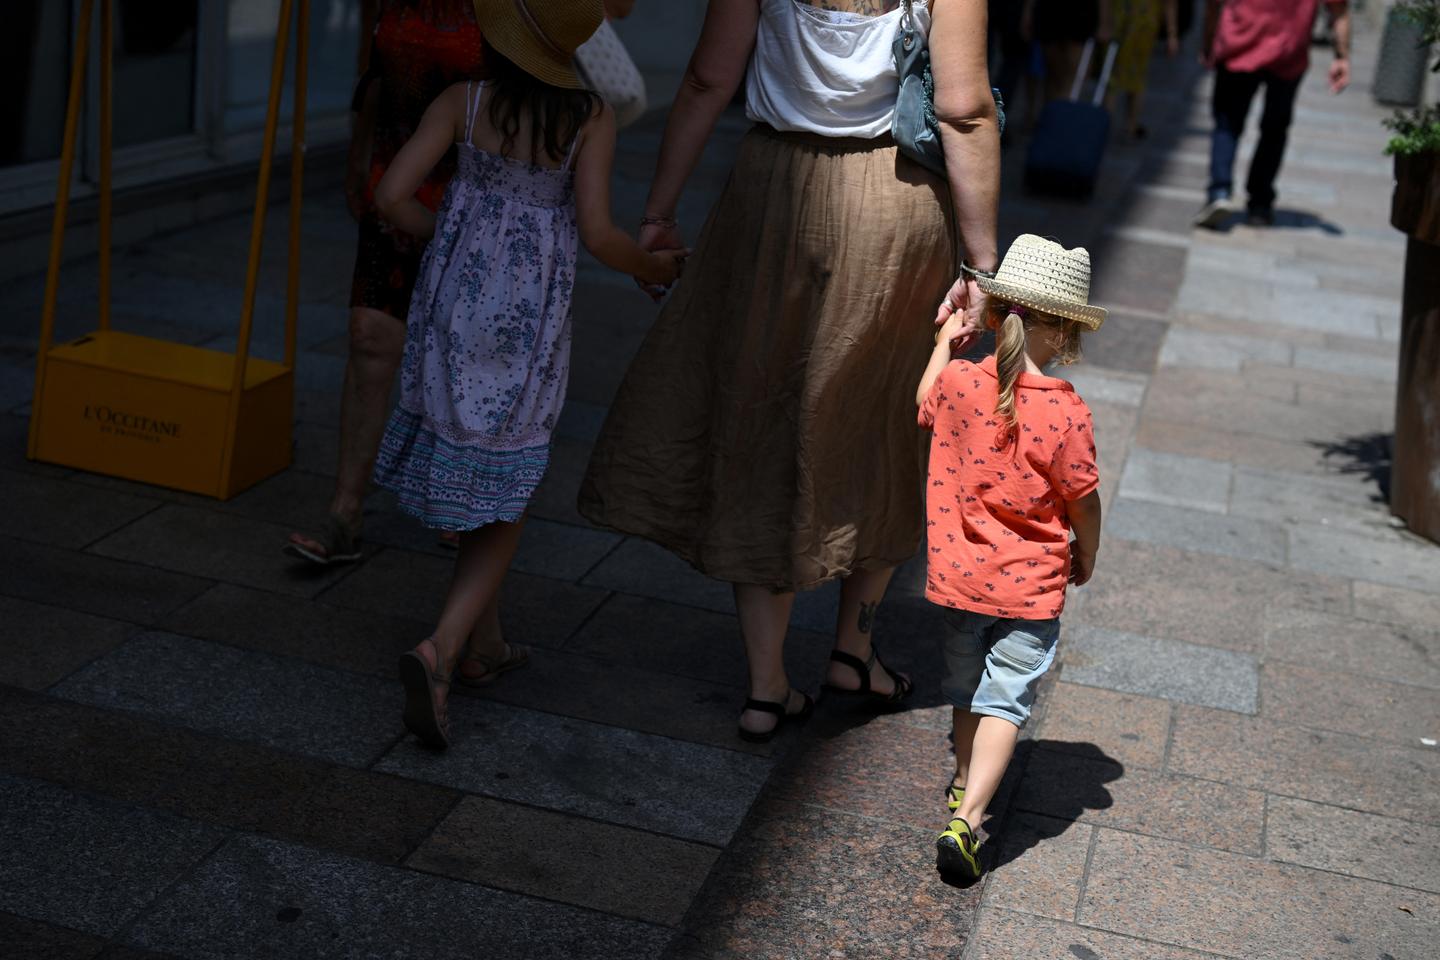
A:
(660, 238)
(665, 268)
(961, 315)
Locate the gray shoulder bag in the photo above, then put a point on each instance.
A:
(915, 128)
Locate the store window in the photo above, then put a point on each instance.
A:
(250, 45)
(35, 63)
(155, 52)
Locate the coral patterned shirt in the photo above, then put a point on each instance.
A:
(998, 531)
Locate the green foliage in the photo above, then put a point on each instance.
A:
(1425, 13)
(1418, 131)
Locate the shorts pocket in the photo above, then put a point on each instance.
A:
(1025, 648)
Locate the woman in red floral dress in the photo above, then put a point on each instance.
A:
(416, 50)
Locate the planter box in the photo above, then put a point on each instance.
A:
(1415, 469)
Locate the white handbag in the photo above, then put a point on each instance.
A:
(607, 69)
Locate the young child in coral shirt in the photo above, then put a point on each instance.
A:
(1012, 475)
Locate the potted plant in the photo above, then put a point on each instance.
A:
(1415, 142)
(1415, 145)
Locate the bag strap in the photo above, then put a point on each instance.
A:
(472, 106)
(1110, 53)
(907, 24)
(1083, 69)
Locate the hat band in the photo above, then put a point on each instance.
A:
(524, 8)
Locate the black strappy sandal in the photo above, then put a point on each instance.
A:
(778, 709)
(903, 686)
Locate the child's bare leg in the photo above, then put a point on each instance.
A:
(480, 568)
(992, 747)
(963, 724)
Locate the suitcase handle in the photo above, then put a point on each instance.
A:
(1111, 51)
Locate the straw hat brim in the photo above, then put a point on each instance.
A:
(1090, 316)
(511, 37)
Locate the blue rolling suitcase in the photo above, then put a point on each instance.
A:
(1070, 136)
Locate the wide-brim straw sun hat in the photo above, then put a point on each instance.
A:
(541, 36)
(1042, 275)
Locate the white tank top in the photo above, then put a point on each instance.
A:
(825, 72)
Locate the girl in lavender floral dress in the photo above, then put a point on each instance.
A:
(487, 353)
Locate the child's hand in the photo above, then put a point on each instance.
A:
(961, 314)
(956, 331)
(664, 267)
(1082, 565)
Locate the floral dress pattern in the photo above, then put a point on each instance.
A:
(487, 352)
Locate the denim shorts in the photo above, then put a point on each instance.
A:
(992, 664)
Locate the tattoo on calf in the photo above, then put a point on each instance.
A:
(867, 616)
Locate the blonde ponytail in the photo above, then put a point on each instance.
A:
(1009, 362)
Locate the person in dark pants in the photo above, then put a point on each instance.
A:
(1250, 44)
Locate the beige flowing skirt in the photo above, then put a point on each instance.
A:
(765, 431)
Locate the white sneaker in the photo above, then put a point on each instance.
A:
(1214, 213)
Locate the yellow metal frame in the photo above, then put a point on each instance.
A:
(256, 389)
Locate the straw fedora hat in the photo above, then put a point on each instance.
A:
(541, 36)
(1042, 275)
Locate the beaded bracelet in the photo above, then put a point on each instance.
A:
(659, 222)
(965, 268)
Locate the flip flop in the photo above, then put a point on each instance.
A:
(339, 543)
(515, 657)
(423, 716)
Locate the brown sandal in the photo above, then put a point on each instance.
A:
(424, 717)
(338, 542)
(515, 657)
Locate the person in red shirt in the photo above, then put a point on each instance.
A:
(1012, 475)
(1254, 43)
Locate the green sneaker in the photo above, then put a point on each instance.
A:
(958, 852)
(954, 797)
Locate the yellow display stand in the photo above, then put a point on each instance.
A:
(177, 416)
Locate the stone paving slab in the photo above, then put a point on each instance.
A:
(1398, 653)
(1357, 844)
(533, 610)
(622, 695)
(1198, 530)
(1227, 903)
(208, 779)
(1039, 865)
(605, 773)
(1344, 702)
(832, 884)
(1305, 763)
(40, 645)
(285, 901)
(1129, 729)
(111, 588)
(43, 941)
(562, 857)
(1177, 481)
(90, 865)
(1143, 801)
(211, 544)
(61, 513)
(1008, 935)
(1404, 561)
(1169, 592)
(1169, 669)
(292, 706)
(1375, 601)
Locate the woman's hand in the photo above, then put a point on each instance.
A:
(656, 237)
(962, 313)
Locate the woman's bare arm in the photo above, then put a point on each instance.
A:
(970, 134)
(711, 79)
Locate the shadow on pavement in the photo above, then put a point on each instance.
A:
(1368, 455)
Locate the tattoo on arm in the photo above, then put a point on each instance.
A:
(867, 616)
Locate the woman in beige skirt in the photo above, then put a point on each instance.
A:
(766, 431)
